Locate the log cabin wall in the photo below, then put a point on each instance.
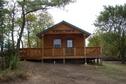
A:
(64, 32)
(63, 29)
(78, 40)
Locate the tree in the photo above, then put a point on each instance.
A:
(36, 23)
(2, 24)
(94, 40)
(30, 6)
(12, 15)
(4, 35)
(112, 24)
(31, 18)
(107, 41)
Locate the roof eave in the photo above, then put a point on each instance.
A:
(75, 27)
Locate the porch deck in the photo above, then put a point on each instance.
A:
(60, 53)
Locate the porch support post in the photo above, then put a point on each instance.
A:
(99, 61)
(54, 61)
(63, 55)
(42, 48)
(95, 60)
(85, 58)
(64, 61)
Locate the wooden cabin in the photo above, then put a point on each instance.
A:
(62, 41)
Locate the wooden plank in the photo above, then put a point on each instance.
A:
(93, 51)
(80, 51)
(35, 53)
(52, 51)
(74, 51)
(63, 29)
(64, 52)
(58, 52)
(69, 51)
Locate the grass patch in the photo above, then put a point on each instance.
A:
(11, 75)
(113, 70)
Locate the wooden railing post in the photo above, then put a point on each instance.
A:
(74, 51)
(52, 51)
(42, 48)
(64, 52)
(85, 58)
(64, 55)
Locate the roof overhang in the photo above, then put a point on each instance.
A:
(66, 23)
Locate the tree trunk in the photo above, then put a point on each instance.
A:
(37, 42)
(22, 28)
(22, 43)
(2, 40)
(29, 44)
(12, 29)
(2, 43)
(28, 37)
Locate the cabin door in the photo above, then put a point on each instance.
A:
(69, 49)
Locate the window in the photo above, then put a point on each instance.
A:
(57, 43)
(69, 43)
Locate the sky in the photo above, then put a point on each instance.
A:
(82, 13)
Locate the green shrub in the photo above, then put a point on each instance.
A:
(9, 60)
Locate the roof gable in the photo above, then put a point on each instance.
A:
(65, 28)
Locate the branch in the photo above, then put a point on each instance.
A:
(36, 9)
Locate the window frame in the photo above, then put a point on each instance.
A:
(72, 41)
(57, 45)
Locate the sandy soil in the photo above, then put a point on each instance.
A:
(68, 74)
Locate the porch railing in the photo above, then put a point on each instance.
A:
(50, 53)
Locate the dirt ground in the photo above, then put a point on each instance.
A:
(40, 73)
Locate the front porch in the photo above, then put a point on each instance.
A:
(60, 53)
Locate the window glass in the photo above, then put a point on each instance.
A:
(69, 43)
(57, 43)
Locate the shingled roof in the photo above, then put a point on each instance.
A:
(64, 22)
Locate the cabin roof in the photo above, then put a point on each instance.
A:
(64, 22)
